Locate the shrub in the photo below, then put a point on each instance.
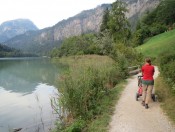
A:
(166, 64)
(156, 29)
(77, 126)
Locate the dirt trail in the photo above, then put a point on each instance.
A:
(131, 116)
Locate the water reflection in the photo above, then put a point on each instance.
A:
(26, 87)
(22, 76)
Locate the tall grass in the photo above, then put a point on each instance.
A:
(166, 97)
(88, 81)
(101, 122)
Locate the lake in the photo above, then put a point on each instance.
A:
(26, 87)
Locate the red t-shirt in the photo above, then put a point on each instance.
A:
(148, 72)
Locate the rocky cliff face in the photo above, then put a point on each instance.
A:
(12, 28)
(86, 21)
(140, 6)
(136, 8)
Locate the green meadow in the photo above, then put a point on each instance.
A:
(156, 45)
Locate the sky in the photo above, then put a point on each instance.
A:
(45, 13)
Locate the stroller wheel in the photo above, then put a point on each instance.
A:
(137, 96)
(153, 97)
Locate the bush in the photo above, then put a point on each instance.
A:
(128, 54)
(156, 29)
(166, 64)
(77, 126)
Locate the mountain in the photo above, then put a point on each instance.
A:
(42, 41)
(10, 29)
(136, 9)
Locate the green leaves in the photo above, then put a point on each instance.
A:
(104, 25)
(77, 45)
(166, 64)
(118, 24)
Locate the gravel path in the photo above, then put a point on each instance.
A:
(131, 116)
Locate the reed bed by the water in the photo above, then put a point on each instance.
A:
(88, 80)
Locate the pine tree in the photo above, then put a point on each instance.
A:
(104, 25)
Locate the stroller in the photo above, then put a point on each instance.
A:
(139, 92)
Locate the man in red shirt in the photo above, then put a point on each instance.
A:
(147, 81)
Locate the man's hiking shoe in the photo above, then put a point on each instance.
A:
(146, 106)
(143, 103)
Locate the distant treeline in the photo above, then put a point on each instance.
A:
(6, 51)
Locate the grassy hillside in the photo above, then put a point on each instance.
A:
(164, 42)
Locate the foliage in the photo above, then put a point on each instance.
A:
(165, 12)
(85, 44)
(86, 83)
(104, 25)
(158, 21)
(140, 35)
(166, 97)
(77, 45)
(166, 64)
(118, 24)
(101, 122)
(105, 43)
(132, 56)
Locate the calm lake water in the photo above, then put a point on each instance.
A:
(26, 87)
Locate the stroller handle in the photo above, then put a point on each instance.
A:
(140, 76)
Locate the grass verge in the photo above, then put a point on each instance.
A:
(166, 97)
(100, 124)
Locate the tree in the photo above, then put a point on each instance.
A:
(104, 25)
(105, 43)
(166, 12)
(77, 45)
(118, 24)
